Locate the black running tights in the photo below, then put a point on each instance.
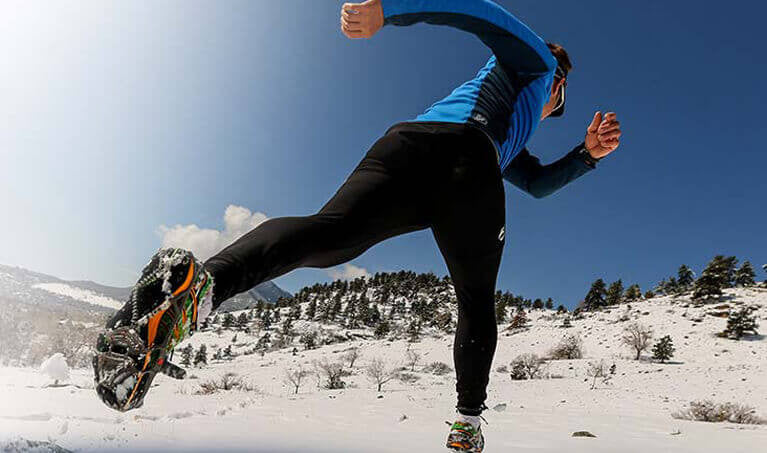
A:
(418, 175)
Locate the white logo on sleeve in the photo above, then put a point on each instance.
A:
(502, 234)
(480, 118)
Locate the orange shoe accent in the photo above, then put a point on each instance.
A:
(154, 323)
(184, 286)
(140, 376)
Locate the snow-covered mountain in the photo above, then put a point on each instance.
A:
(32, 288)
(267, 292)
(630, 412)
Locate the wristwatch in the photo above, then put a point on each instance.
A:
(590, 160)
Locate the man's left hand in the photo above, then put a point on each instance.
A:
(603, 135)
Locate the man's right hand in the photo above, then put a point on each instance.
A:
(362, 20)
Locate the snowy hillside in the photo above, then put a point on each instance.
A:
(22, 286)
(80, 294)
(632, 412)
(41, 314)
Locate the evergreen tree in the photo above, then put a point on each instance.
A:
(228, 351)
(713, 278)
(350, 314)
(519, 321)
(745, 275)
(444, 322)
(335, 308)
(414, 331)
(363, 310)
(186, 355)
(561, 309)
(228, 321)
(266, 319)
(500, 312)
(287, 330)
(242, 321)
(382, 329)
(201, 358)
(663, 349)
(633, 293)
(685, 278)
(538, 304)
(661, 287)
(672, 287)
(595, 297)
(614, 294)
(739, 323)
(311, 310)
(263, 343)
(373, 315)
(730, 264)
(295, 312)
(549, 304)
(649, 294)
(309, 340)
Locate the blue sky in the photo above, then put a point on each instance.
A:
(121, 117)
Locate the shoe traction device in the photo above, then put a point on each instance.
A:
(135, 346)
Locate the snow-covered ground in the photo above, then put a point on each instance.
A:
(630, 414)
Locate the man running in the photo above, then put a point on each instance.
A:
(443, 171)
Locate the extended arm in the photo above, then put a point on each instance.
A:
(527, 172)
(515, 46)
(602, 138)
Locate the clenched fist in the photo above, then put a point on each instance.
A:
(362, 20)
(603, 135)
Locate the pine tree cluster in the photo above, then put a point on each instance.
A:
(720, 273)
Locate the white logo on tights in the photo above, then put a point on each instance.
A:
(502, 234)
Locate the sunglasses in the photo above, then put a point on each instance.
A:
(560, 74)
(561, 96)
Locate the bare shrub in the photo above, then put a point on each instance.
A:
(227, 382)
(437, 368)
(295, 377)
(379, 373)
(412, 358)
(407, 378)
(570, 347)
(502, 369)
(333, 372)
(351, 356)
(599, 372)
(526, 366)
(709, 411)
(637, 337)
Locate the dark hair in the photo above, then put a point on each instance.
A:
(564, 65)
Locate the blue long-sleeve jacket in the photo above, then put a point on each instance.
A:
(507, 96)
